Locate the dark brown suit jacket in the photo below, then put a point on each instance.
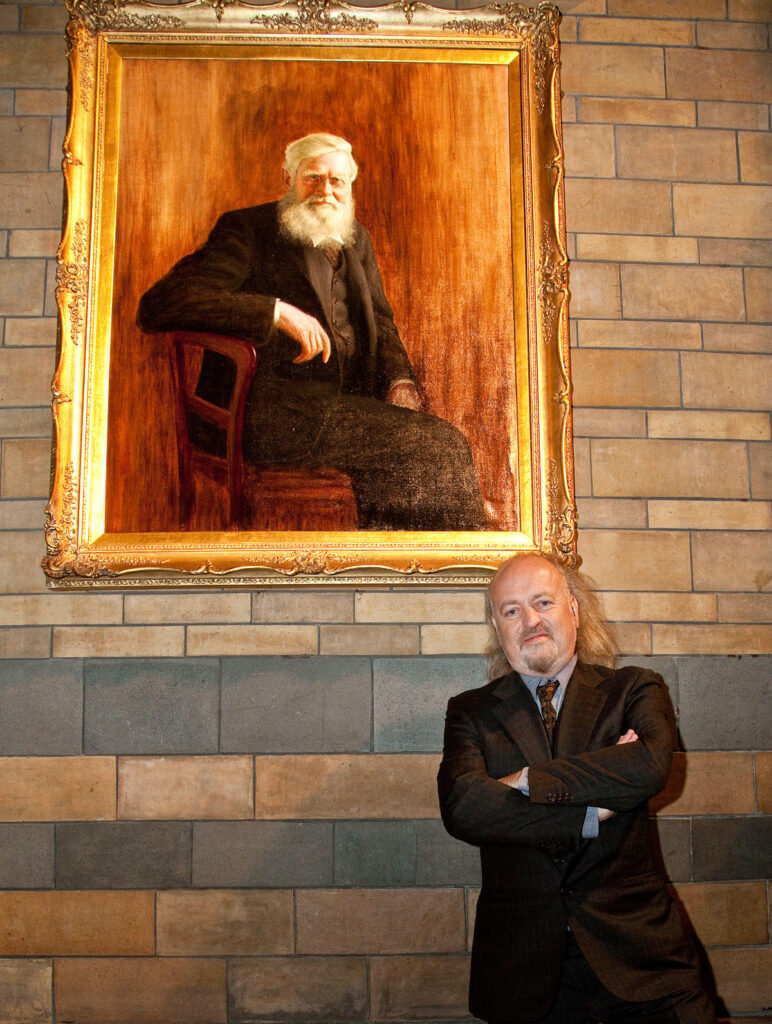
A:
(539, 875)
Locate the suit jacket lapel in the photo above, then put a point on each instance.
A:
(521, 720)
(579, 714)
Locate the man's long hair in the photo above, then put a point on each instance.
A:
(595, 643)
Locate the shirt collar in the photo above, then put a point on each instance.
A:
(562, 676)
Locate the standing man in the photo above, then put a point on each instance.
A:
(548, 769)
(334, 385)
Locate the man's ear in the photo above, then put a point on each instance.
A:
(285, 177)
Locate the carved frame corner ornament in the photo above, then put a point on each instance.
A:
(101, 35)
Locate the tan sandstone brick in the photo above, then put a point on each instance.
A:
(682, 293)
(220, 640)
(667, 8)
(764, 781)
(652, 31)
(119, 641)
(749, 10)
(419, 987)
(745, 607)
(30, 199)
(409, 921)
(25, 377)
(709, 515)
(41, 101)
(680, 154)
(761, 470)
(612, 70)
(595, 290)
(627, 207)
(589, 151)
(731, 211)
(346, 786)
(715, 74)
(582, 469)
(419, 607)
(637, 248)
(185, 787)
(20, 515)
(609, 423)
(31, 330)
(26, 468)
(743, 976)
(636, 559)
(638, 334)
(743, 252)
(308, 988)
(23, 143)
(726, 913)
(714, 114)
(738, 337)
(141, 991)
(734, 561)
(707, 783)
(712, 639)
(632, 637)
(22, 284)
(225, 922)
(24, 422)
(32, 61)
(273, 606)
(43, 18)
(667, 468)
(76, 924)
(737, 36)
(659, 607)
(21, 562)
(758, 293)
(614, 513)
(60, 607)
(727, 426)
(57, 788)
(25, 642)
(456, 639)
(369, 639)
(608, 377)
(632, 111)
(171, 608)
(718, 380)
(25, 991)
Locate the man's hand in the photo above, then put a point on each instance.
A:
(306, 330)
(405, 394)
(629, 737)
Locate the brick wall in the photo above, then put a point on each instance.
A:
(221, 806)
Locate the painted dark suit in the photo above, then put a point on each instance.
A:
(409, 470)
(539, 875)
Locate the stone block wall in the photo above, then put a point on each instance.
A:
(220, 807)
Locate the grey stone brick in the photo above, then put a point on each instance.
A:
(26, 856)
(443, 860)
(716, 695)
(301, 705)
(732, 848)
(41, 707)
(151, 706)
(262, 853)
(410, 697)
(123, 855)
(375, 853)
(672, 839)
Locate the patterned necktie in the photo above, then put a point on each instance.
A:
(545, 693)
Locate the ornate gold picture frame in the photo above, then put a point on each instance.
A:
(179, 114)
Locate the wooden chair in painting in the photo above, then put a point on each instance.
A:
(211, 458)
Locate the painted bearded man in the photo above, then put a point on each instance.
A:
(334, 384)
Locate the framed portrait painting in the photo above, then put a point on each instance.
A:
(313, 296)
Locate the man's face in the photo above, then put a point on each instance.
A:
(324, 181)
(535, 616)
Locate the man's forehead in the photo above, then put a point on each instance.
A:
(336, 160)
(526, 575)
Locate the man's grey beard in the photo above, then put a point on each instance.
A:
(310, 224)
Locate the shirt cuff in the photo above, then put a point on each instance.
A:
(522, 782)
(591, 825)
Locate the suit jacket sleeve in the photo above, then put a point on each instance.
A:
(202, 291)
(479, 809)
(619, 777)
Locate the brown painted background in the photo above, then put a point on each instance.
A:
(199, 137)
